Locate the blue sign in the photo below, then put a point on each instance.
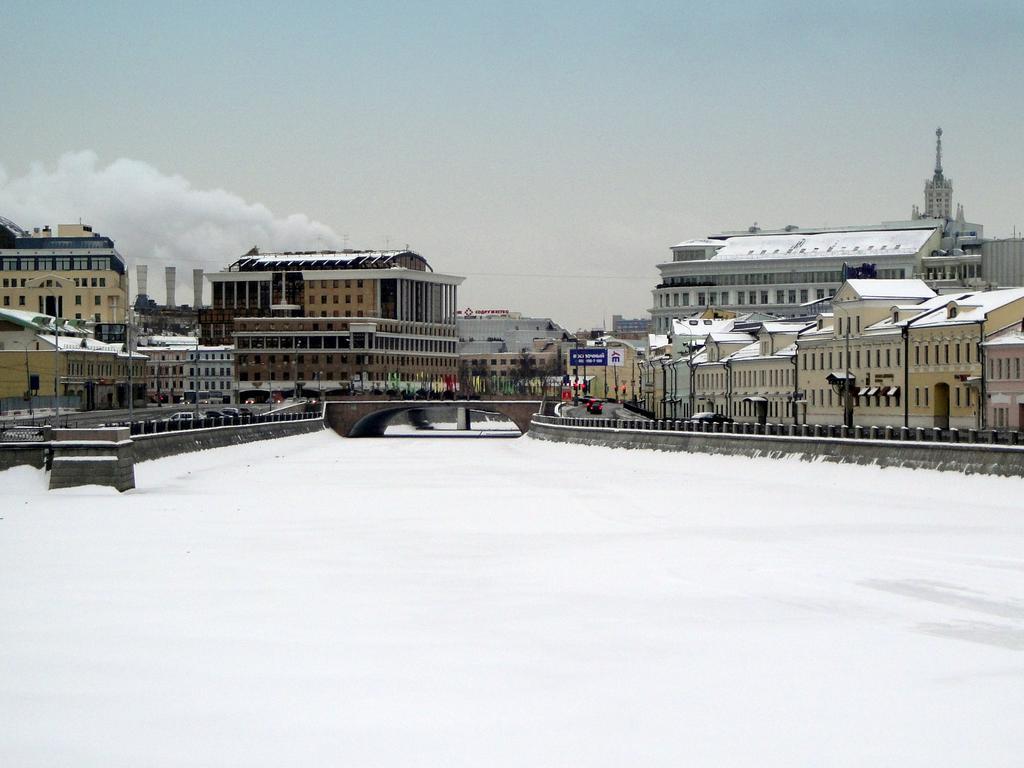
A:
(588, 356)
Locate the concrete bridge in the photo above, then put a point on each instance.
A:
(368, 417)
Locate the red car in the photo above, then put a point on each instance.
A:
(595, 406)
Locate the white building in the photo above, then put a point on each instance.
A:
(783, 271)
(179, 367)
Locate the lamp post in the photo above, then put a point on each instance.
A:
(195, 382)
(847, 400)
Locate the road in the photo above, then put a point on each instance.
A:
(611, 411)
(116, 415)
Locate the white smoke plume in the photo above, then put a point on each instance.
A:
(154, 218)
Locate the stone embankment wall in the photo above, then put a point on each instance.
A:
(1006, 460)
(158, 446)
(101, 456)
(19, 454)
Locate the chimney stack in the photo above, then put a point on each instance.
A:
(170, 275)
(197, 288)
(142, 271)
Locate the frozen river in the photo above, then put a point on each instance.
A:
(317, 601)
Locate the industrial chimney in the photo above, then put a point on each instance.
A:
(142, 271)
(170, 275)
(197, 288)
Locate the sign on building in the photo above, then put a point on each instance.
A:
(588, 357)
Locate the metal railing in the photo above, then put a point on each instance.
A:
(811, 431)
(167, 425)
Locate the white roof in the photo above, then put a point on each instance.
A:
(656, 340)
(697, 326)
(699, 244)
(1014, 339)
(972, 306)
(172, 341)
(891, 289)
(783, 326)
(860, 246)
(72, 343)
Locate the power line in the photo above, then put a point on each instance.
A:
(647, 279)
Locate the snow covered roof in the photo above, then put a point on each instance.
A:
(781, 326)
(971, 307)
(87, 343)
(891, 289)
(656, 341)
(349, 259)
(746, 353)
(38, 321)
(699, 244)
(697, 326)
(1014, 339)
(858, 246)
(172, 341)
(731, 337)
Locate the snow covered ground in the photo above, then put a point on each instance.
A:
(314, 601)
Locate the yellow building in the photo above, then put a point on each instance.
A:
(76, 273)
(762, 375)
(909, 357)
(86, 373)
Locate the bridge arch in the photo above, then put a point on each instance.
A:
(369, 418)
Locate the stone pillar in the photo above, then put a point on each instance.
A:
(102, 456)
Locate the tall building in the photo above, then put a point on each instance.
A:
(793, 271)
(938, 190)
(335, 321)
(76, 274)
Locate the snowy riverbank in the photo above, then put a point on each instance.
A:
(321, 601)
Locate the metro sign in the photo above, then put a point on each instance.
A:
(616, 358)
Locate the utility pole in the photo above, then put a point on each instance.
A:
(847, 399)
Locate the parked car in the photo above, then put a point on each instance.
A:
(213, 414)
(711, 417)
(182, 416)
(244, 412)
(595, 406)
(230, 413)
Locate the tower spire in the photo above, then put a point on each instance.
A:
(938, 154)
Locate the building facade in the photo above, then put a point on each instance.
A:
(41, 356)
(1004, 391)
(76, 274)
(335, 322)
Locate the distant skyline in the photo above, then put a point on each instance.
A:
(551, 153)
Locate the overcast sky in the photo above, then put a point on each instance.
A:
(551, 152)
